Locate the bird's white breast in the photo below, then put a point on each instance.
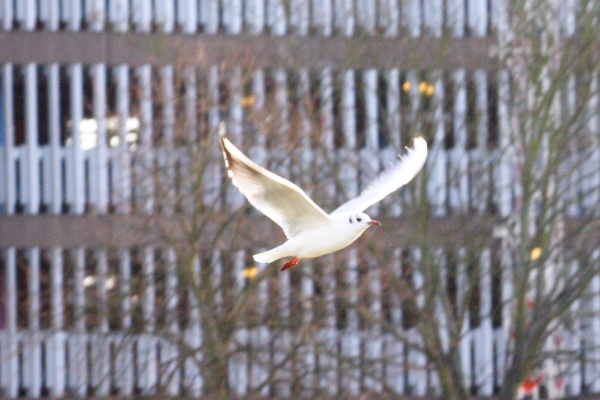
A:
(324, 240)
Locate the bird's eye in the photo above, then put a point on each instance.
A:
(350, 220)
(358, 219)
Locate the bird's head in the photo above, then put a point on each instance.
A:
(361, 220)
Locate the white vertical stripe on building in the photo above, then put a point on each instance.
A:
(374, 344)
(366, 16)
(348, 159)
(260, 338)
(191, 104)
(169, 353)
(193, 380)
(327, 336)
(145, 166)
(142, 17)
(411, 18)
(124, 363)
(9, 351)
(307, 357)
(392, 96)
(455, 13)
(305, 127)
(282, 103)
(8, 13)
(282, 343)
(238, 360)
(29, 13)
(343, 17)
(416, 359)
(77, 343)
(125, 288)
(591, 170)
(573, 344)
(32, 175)
(164, 15)
(389, 17)
(64, 10)
(369, 154)
(433, 15)
(234, 128)
(322, 17)
(74, 14)
(188, 155)
(99, 162)
(96, 14)
(393, 127)
(75, 169)
(593, 348)
(349, 337)
(56, 366)
(276, 17)
(463, 296)
(118, 14)
(479, 176)
(100, 346)
(187, 15)
(369, 78)
(484, 346)
(507, 302)
(255, 16)
(10, 154)
(121, 172)
(146, 346)
(235, 117)
(459, 179)
(477, 16)
(441, 261)
(299, 16)
(56, 148)
(326, 144)
(167, 157)
(216, 264)
(209, 14)
(19, 11)
(213, 171)
(394, 347)
(232, 16)
(52, 13)
(504, 173)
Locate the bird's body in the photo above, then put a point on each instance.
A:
(310, 231)
(324, 239)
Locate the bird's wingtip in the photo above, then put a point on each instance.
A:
(222, 129)
(420, 145)
(419, 141)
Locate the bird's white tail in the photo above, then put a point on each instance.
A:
(271, 255)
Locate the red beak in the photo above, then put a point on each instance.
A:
(373, 223)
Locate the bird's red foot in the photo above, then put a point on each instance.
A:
(290, 263)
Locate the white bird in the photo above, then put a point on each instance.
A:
(311, 232)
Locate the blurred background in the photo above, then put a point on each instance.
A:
(126, 253)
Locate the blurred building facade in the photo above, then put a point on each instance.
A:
(94, 91)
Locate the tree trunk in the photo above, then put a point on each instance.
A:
(451, 379)
(215, 372)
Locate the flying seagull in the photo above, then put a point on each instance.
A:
(311, 232)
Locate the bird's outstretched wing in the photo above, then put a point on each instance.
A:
(274, 196)
(389, 180)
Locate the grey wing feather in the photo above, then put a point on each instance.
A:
(279, 199)
(391, 179)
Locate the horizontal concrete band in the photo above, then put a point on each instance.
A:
(130, 230)
(134, 49)
(219, 230)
